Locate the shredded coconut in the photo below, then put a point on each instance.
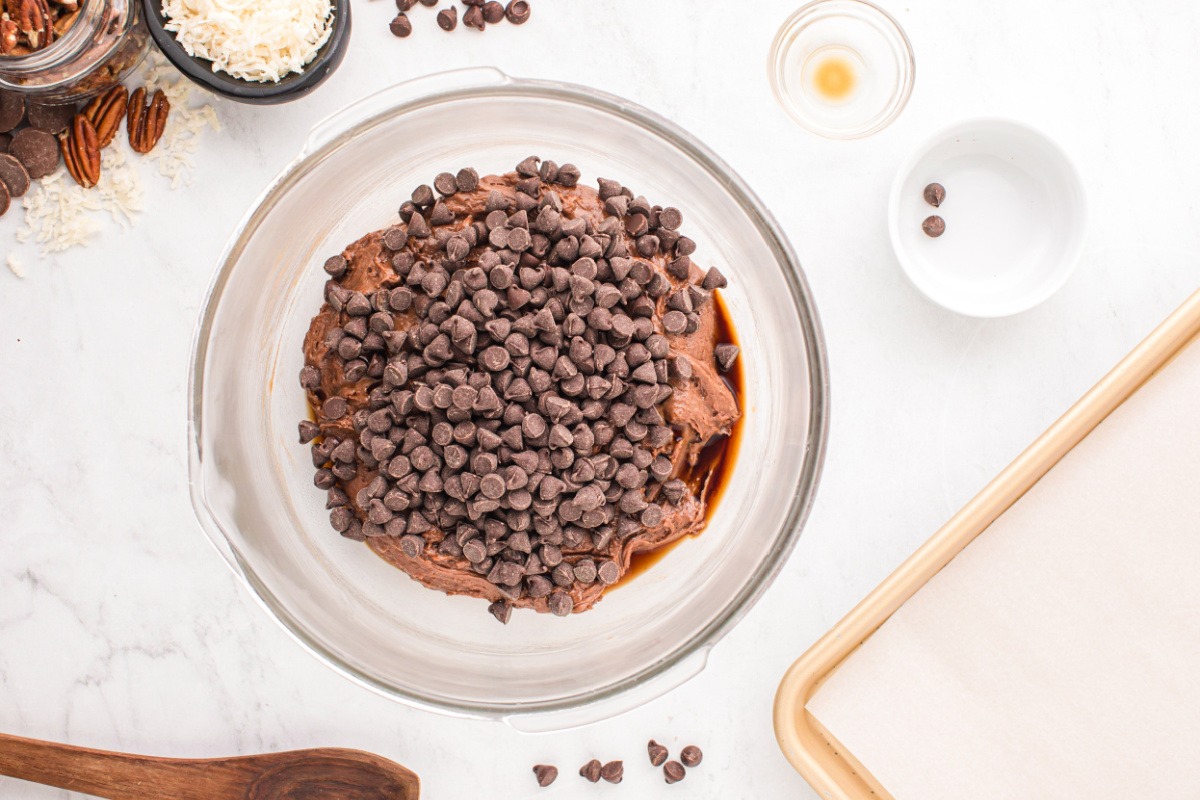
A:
(60, 215)
(15, 266)
(255, 40)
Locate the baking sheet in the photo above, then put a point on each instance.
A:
(1059, 655)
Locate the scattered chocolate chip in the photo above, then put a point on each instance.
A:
(934, 226)
(447, 18)
(13, 175)
(673, 772)
(613, 771)
(591, 771)
(5, 199)
(691, 756)
(935, 193)
(493, 12)
(517, 12)
(545, 774)
(37, 150)
(658, 753)
(429, 3)
(52, 119)
(401, 25)
(473, 18)
(725, 355)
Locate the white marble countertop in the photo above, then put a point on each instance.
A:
(121, 628)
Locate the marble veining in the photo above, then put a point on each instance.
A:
(121, 628)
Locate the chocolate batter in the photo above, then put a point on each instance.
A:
(702, 409)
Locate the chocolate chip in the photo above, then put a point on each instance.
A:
(725, 355)
(713, 279)
(12, 110)
(545, 773)
(671, 219)
(609, 573)
(308, 431)
(934, 194)
(691, 756)
(447, 18)
(501, 611)
(591, 771)
(613, 771)
(445, 182)
(334, 408)
(467, 180)
(37, 150)
(422, 196)
(560, 604)
(52, 119)
(674, 322)
(934, 226)
(673, 772)
(658, 753)
(493, 12)
(401, 26)
(474, 18)
(517, 12)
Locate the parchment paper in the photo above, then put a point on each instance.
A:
(1059, 655)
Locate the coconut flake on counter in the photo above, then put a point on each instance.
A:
(59, 214)
(15, 266)
(254, 40)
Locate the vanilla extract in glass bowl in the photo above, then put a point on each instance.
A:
(843, 69)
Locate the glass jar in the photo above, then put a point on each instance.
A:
(106, 42)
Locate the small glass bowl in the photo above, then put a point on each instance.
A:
(252, 482)
(875, 57)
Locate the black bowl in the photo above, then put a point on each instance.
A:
(291, 87)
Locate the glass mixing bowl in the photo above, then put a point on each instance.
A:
(252, 482)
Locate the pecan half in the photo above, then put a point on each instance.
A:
(8, 36)
(106, 112)
(64, 23)
(81, 152)
(36, 23)
(147, 120)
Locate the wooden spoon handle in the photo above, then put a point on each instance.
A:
(119, 776)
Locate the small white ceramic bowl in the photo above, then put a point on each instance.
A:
(1015, 217)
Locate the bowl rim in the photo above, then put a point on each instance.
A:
(1074, 249)
(290, 87)
(813, 457)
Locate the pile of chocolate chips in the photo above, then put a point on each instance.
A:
(479, 14)
(614, 771)
(520, 417)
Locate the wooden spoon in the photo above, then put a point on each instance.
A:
(325, 774)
